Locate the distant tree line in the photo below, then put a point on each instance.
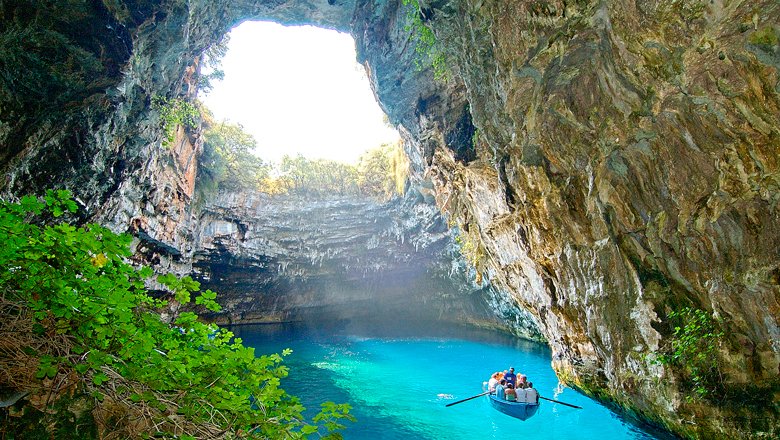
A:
(228, 162)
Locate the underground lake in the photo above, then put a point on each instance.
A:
(398, 380)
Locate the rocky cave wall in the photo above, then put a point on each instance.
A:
(626, 167)
(286, 259)
(612, 161)
(618, 162)
(126, 178)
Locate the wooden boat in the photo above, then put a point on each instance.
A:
(522, 411)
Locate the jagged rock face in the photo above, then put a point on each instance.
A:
(627, 166)
(625, 163)
(286, 259)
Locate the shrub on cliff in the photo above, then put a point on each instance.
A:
(693, 348)
(428, 50)
(78, 324)
(174, 112)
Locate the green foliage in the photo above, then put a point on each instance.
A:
(317, 177)
(767, 38)
(429, 53)
(173, 113)
(190, 378)
(227, 160)
(211, 64)
(694, 348)
(382, 172)
(469, 241)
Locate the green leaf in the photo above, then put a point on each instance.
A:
(46, 368)
(76, 281)
(99, 378)
(31, 204)
(308, 429)
(145, 272)
(168, 280)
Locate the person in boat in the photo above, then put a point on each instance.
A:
(501, 389)
(493, 382)
(511, 394)
(522, 381)
(510, 376)
(531, 395)
(522, 396)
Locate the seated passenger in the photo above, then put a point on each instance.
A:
(511, 394)
(500, 388)
(532, 396)
(522, 381)
(493, 382)
(521, 395)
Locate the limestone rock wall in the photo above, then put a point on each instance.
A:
(288, 259)
(609, 162)
(626, 166)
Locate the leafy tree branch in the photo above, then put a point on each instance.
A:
(84, 319)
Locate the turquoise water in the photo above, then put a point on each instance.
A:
(398, 383)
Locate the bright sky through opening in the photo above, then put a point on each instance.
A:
(298, 90)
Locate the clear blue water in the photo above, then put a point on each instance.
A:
(398, 383)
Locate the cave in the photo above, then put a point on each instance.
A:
(614, 164)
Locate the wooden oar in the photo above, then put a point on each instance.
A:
(562, 403)
(472, 397)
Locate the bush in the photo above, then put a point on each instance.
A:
(382, 172)
(317, 177)
(73, 306)
(173, 113)
(428, 50)
(694, 349)
(228, 162)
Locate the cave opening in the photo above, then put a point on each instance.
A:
(297, 90)
(324, 231)
(288, 111)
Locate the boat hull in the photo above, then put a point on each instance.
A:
(522, 411)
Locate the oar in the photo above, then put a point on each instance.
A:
(472, 397)
(558, 401)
